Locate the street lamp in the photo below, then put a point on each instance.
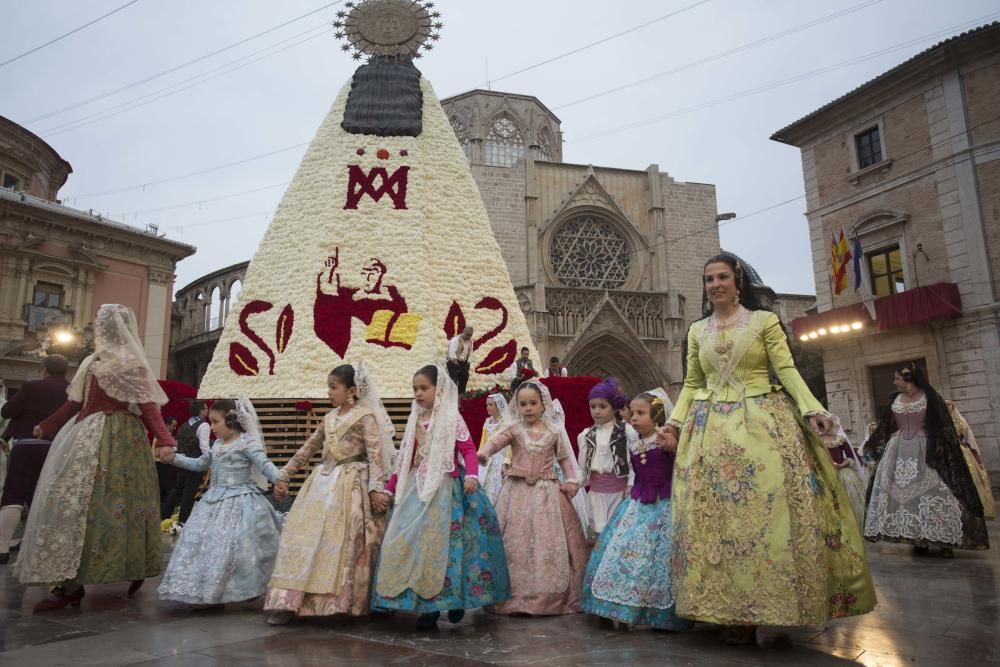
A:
(725, 216)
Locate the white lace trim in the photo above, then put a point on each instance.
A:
(919, 405)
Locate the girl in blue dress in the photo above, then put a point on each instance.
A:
(628, 577)
(442, 550)
(228, 546)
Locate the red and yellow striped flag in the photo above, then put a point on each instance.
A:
(841, 256)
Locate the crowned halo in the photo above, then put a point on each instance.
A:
(401, 28)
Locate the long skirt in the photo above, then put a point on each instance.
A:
(626, 578)
(911, 503)
(491, 476)
(94, 518)
(328, 547)
(855, 488)
(546, 549)
(476, 574)
(226, 551)
(763, 528)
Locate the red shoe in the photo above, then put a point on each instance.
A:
(135, 586)
(71, 600)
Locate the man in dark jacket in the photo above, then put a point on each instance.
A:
(193, 438)
(33, 402)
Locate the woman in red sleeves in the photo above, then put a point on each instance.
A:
(95, 517)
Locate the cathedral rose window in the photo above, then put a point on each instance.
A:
(590, 252)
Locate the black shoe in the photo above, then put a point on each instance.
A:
(4, 558)
(456, 615)
(428, 621)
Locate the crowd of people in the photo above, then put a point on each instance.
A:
(740, 505)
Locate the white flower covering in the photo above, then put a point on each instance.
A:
(439, 250)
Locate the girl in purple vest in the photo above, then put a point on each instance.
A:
(628, 578)
(603, 455)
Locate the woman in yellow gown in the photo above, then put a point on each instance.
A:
(763, 528)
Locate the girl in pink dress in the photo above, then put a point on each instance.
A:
(543, 538)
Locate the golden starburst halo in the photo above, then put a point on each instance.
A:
(400, 28)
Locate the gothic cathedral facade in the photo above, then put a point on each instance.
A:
(606, 262)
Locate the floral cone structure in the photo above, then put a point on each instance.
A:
(380, 250)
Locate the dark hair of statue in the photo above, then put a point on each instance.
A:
(430, 372)
(227, 408)
(657, 411)
(344, 374)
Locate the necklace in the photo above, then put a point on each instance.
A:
(729, 321)
(644, 447)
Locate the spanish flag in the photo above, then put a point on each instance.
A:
(841, 255)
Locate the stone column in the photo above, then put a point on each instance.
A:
(658, 267)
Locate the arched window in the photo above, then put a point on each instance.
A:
(234, 293)
(504, 143)
(545, 144)
(588, 251)
(213, 311)
(462, 134)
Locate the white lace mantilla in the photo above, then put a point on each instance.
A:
(57, 524)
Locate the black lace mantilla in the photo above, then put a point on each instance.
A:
(385, 99)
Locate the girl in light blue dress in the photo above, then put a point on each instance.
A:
(227, 549)
(628, 578)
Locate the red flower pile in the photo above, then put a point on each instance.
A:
(570, 391)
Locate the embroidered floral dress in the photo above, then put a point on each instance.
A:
(331, 536)
(626, 578)
(94, 518)
(227, 549)
(446, 553)
(542, 533)
(763, 529)
(909, 500)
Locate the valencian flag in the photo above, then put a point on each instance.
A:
(841, 255)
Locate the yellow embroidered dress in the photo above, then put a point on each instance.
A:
(763, 528)
(332, 536)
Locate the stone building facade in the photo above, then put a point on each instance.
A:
(909, 163)
(199, 312)
(58, 264)
(606, 262)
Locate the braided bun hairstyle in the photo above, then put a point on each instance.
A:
(657, 411)
(227, 408)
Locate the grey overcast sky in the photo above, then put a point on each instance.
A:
(280, 97)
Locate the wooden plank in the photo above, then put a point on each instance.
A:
(286, 428)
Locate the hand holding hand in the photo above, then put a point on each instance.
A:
(380, 501)
(470, 484)
(280, 490)
(570, 489)
(821, 424)
(37, 432)
(666, 438)
(165, 454)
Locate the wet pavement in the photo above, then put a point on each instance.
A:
(931, 611)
